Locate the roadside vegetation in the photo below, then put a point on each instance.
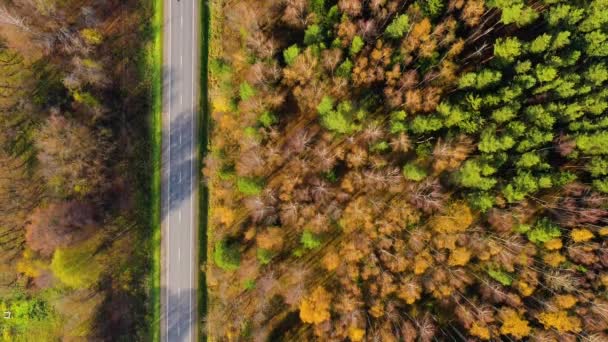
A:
(78, 182)
(408, 170)
(206, 16)
(151, 75)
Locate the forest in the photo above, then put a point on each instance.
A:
(420, 170)
(75, 168)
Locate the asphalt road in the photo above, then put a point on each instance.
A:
(179, 250)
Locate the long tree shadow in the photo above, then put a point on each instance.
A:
(178, 315)
(179, 166)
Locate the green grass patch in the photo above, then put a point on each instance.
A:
(151, 71)
(310, 240)
(32, 317)
(226, 255)
(249, 186)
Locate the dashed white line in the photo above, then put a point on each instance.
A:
(176, 317)
(194, 45)
(167, 308)
(179, 295)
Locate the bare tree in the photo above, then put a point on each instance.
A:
(8, 18)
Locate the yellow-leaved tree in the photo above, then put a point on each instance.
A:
(315, 308)
(560, 321)
(513, 324)
(457, 219)
(459, 257)
(78, 267)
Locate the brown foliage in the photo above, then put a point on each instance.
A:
(296, 13)
(72, 156)
(419, 34)
(315, 308)
(351, 7)
(450, 154)
(472, 12)
(59, 225)
(427, 195)
(271, 239)
(501, 220)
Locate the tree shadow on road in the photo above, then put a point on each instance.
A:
(179, 317)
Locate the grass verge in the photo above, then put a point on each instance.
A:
(210, 30)
(202, 148)
(153, 74)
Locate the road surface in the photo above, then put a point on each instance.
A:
(179, 249)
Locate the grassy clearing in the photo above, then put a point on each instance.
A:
(202, 148)
(152, 71)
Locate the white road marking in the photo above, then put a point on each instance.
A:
(176, 314)
(194, 47)
(180, 178)
(181, 100)
(181, 60)
(179, 295)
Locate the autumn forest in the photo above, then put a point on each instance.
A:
(425, 170)
(74, 166)
(370, 170)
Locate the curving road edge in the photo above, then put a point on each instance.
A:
(179, 184)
